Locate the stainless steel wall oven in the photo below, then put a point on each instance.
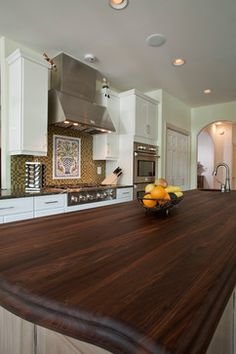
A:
(145, 166)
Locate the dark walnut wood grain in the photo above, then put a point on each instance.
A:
(126, 281)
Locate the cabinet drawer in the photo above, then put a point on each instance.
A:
(48, 212)
(16, 206)
(47, 202)
(126, 193)
(18, 217)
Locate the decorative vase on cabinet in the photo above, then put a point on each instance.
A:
(28, 104)
(106, 146)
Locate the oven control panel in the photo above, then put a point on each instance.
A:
(90, 196)
(147, 148)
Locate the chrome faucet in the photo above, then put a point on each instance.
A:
(224, 187)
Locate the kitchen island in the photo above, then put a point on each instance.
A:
(122, 279)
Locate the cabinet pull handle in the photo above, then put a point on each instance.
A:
(52, 202)
(126, 193)
(11, 207)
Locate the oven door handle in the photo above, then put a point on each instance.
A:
(145, 154)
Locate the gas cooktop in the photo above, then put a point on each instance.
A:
(86, 192)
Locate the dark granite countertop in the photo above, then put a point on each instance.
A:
(21, 193)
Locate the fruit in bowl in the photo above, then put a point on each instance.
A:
(149, 187)
(158, 197)
(161, 182)
(158, 192)
(149, 202)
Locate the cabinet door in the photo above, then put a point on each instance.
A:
(152, 121)
(13, 206)
(106, 146)
(234, 321)
(49, 205)
(28, 104)
(146, 120)
(18, 217)
(171, 158)
(224, 337)
(35, 108)
(112, 146)
(124, 194)
(50, 342)
(141, 118)
(16, 334)
(177, 159)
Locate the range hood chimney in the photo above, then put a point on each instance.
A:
(71, 99)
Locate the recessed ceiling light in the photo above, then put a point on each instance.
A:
(90, 58)
(218, 123)
(178, 62)
(66, 122)
(155, 40)
(118, 4)
(75, 124)
(207, 91)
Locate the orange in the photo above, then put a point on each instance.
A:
(165, 200)
(167, 196)
(149, 203)
(158, 192)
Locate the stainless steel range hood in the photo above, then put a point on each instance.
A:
(71, 99)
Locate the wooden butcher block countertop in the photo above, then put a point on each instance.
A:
(124, 280)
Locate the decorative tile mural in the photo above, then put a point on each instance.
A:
(88, 165)
(66, 157)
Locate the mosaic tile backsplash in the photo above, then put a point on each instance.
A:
(88, 165)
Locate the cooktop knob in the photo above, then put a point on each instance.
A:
(81, 198)
(74, 199)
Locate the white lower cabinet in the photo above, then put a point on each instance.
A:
(124, 194)
(49, 205)
(50, 342)
(223, 341)
(18, 217)
(15, 209)
(16, 334)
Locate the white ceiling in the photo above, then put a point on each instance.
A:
(203, 32)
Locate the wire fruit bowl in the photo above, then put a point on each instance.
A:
(163, 206)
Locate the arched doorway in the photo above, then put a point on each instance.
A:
(216, 143)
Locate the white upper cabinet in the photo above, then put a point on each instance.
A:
(141, 116)
(145, 119)
(28, 104)
(106, 146)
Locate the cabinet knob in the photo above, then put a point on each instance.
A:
(148, 129)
